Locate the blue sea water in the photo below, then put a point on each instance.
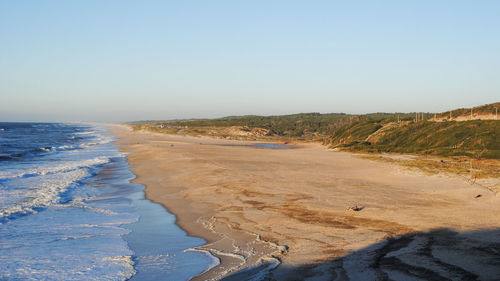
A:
(69, 212)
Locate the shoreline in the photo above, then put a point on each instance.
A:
(166, 233)
(227, 261)
(227, 196)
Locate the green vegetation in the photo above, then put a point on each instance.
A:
(469, 169)
(294, 125)
(307, 126)
(476, 139)
(375, 132)
(356, 132)
(487, 109)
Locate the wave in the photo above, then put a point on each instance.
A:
(48, 193)
(86, 133)
(54, 168)
(65, 147)
(51, 202)
(44, 185)
(46, 149)
(6, 157)
(97, 140)
(27, 153)
(35, 152)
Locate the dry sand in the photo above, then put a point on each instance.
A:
(286, 210)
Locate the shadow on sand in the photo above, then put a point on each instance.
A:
(441, 254)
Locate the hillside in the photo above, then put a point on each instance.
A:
(483, 112)
(302, 126)
(476, 138)
(293, 127)
(418, 133)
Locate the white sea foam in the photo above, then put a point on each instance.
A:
(63, 223)
(47, 192)
(215, 261)
(99, 140)
(65, 147)
(86, 133)
(58, 227)
(51, 168)
(41, 184)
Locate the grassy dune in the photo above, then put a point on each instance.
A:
(487, 109)
(478, 139)
(375, 132)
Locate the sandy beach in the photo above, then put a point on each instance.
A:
(283, 213)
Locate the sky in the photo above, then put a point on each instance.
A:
(119, 60)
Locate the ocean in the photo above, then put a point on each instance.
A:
(69, 212)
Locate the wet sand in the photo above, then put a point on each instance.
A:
(285, 210)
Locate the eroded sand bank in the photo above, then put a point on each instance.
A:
(262, 207)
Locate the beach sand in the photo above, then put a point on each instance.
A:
(260, 208)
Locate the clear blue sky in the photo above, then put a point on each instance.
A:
(126, 60)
